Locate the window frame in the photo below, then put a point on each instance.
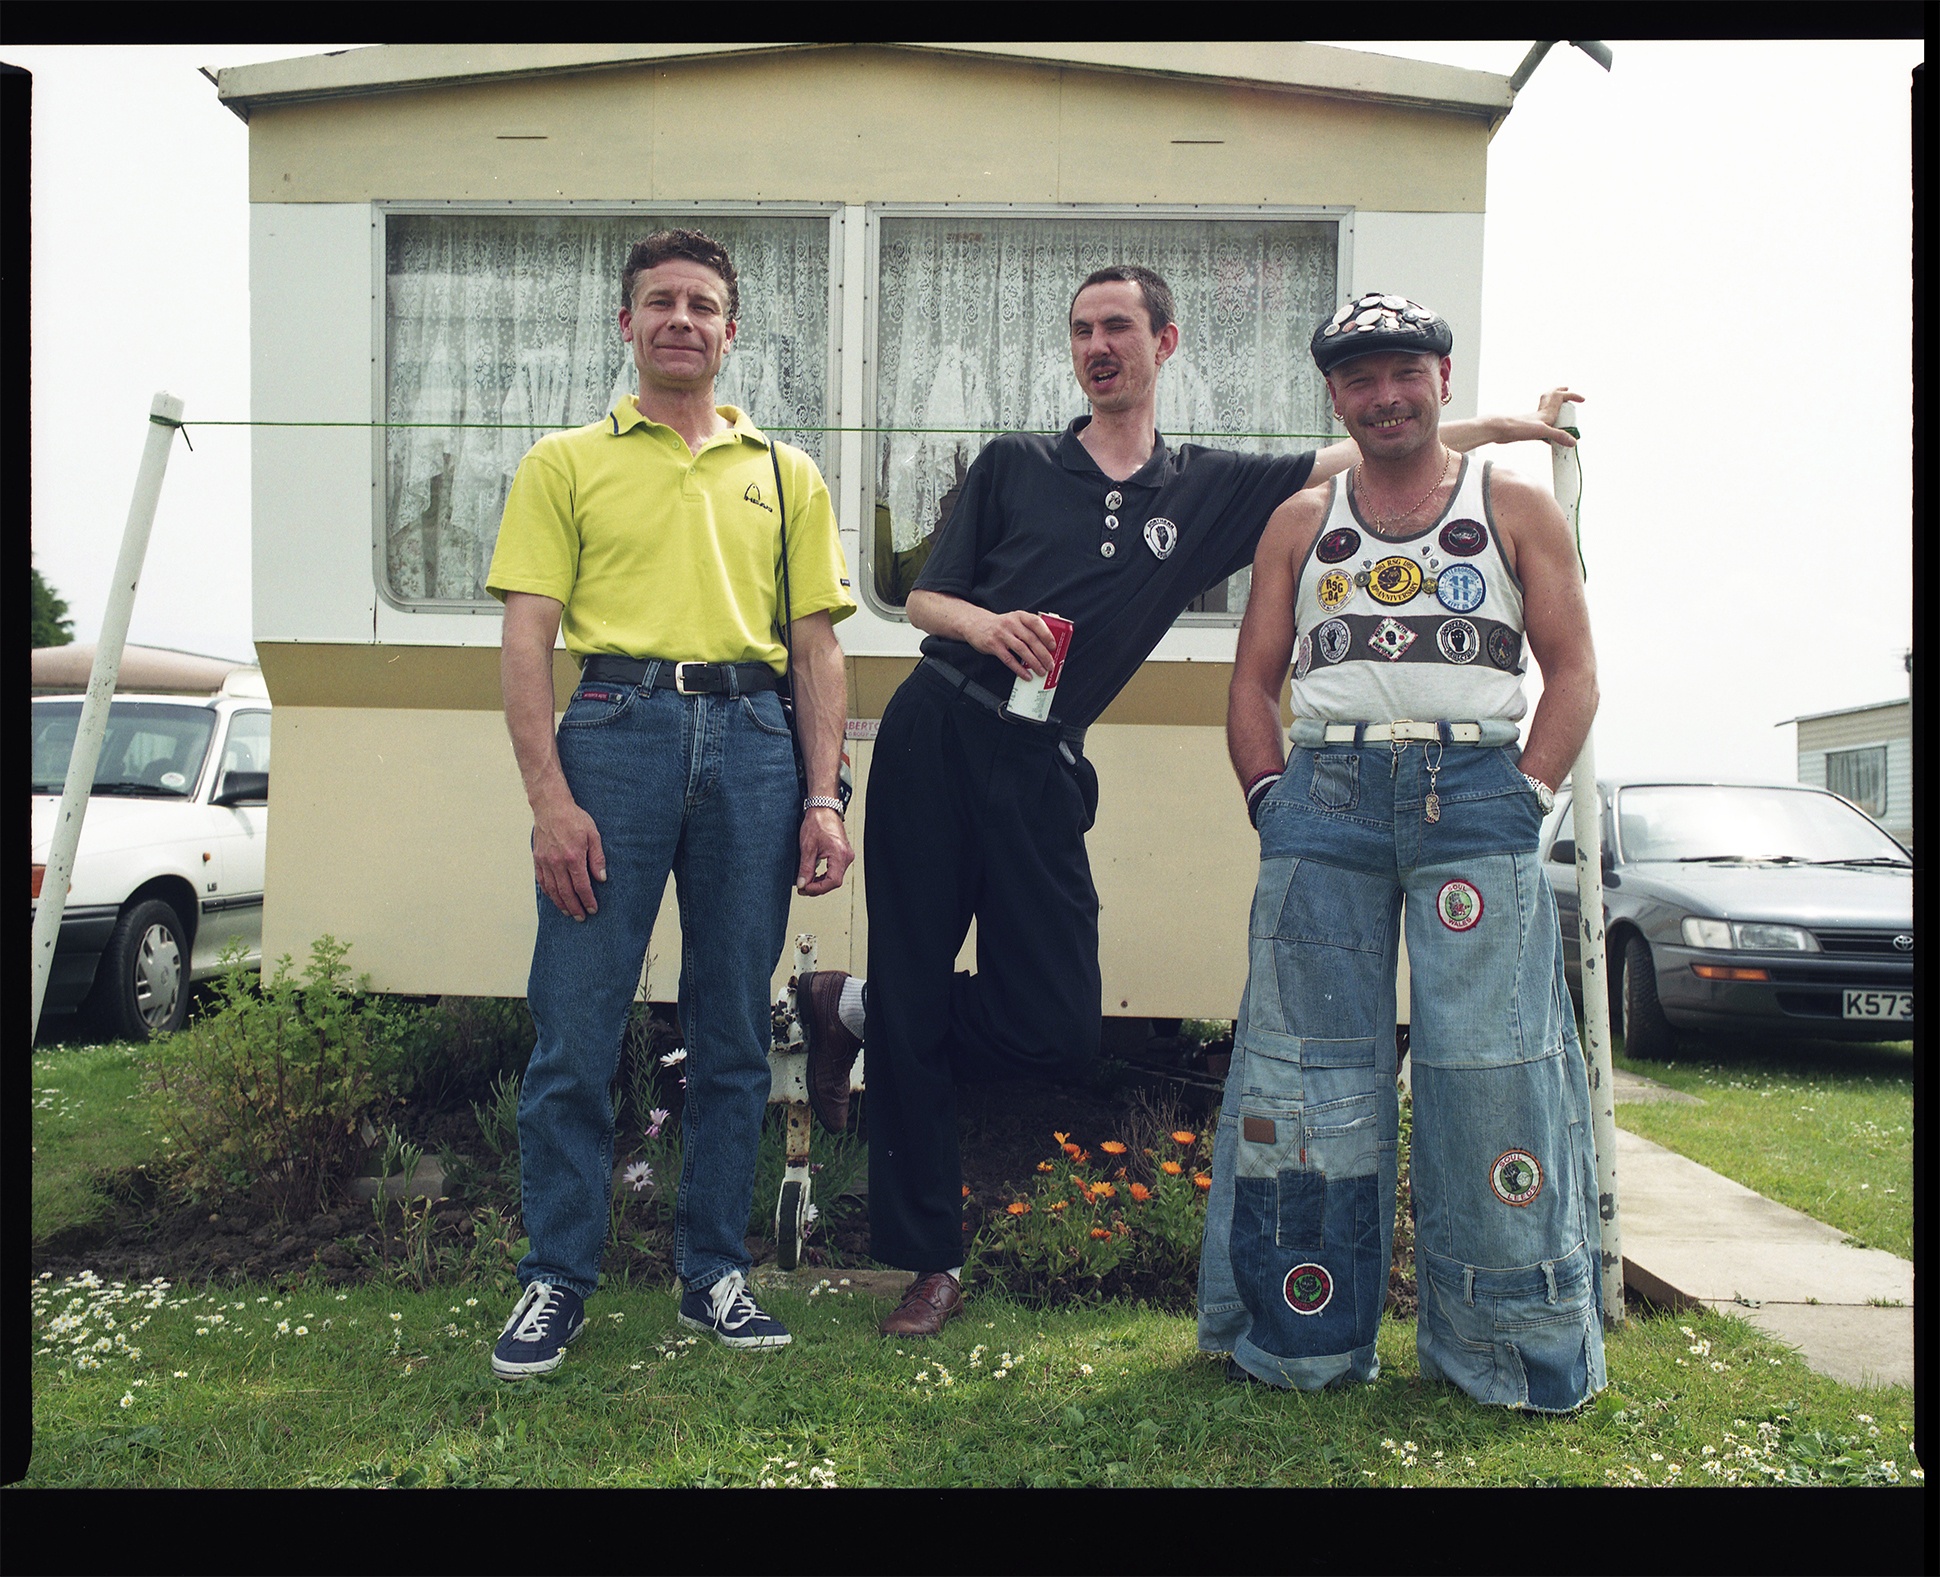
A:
(1883, 752)
(697, 209)
(1341, 216)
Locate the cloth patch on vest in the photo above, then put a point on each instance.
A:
(1334, 589)
(1161, 536)
(1304, 658)
(1460, 588)
(1308, 1288)
(1333, 639)
(1505, 648)
(1393, 581)
(1391, 638)
(1338, 544)
(1463, 538)
(1516, 1177)
(1459, 904)
(1458, 641)
(1257, 1130)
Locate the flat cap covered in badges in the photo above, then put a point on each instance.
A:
(1377, 322)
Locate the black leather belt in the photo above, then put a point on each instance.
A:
(687, 678)
(990, 701)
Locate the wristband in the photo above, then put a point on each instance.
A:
(1256, 793)
(822, 802)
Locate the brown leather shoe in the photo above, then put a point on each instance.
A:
(927, 1305)
(831, 1047)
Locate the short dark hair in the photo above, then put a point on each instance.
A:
(1157, 293)
(690, 244)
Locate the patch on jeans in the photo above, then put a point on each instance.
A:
(1257, 1130)
(1308, 1288)
(1516, 1177)
(597, 695)
(1459, 904)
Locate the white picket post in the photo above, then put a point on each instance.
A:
(164, 417)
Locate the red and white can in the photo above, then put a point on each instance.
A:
(1031, 698)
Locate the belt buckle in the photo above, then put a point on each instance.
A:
(680, 678)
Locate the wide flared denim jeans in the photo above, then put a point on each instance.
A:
(703, 787)
(1300, 1218)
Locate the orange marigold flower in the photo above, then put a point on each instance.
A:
(1017, 1207)
(1073, 1151)
(1103, 1191)
(1183, 1136)
(1044, 1166)
(1171, 1168)
(1141, 1193)
(1112, 1147)
(1201, 1180)
(1060, 1137)
(966, 1190)
(1057, 1204)
(1101, 1232)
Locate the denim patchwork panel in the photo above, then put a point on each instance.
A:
(1528, 1337)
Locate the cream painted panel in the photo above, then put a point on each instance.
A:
(1436, 259)
(1160, 139)
(310, 360)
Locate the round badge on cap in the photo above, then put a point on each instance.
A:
(1378, 321)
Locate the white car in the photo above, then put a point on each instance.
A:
(170, 865)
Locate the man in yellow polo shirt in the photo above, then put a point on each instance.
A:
(653, 537)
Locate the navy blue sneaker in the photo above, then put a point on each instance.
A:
(735, 1318)
(544, 1320)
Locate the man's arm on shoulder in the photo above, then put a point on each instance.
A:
(1019, 639)
(1254, 738)
(821, 709)
(1468, 434)
(1536, 540)
(566, 854)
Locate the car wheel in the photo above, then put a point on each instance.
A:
(1646, 1032)
(141, 987)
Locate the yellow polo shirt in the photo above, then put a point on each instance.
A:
(657, 551)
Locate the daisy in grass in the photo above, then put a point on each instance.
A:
(638, 1176)
(654, 1119)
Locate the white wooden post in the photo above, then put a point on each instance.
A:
(164, 417)
(1586, 812)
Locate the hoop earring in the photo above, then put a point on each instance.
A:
(1446, 396)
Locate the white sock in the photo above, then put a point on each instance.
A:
(849, 1009)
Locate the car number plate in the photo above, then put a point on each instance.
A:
(1879, 1004)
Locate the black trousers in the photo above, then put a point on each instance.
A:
(967, 815)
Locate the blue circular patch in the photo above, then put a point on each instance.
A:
(1460, 588)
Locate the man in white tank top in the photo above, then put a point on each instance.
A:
(1403, 597)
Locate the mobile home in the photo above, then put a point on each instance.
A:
(436, 234)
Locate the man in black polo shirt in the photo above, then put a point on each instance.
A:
(975, 813)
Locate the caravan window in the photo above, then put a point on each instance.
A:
(973, 338)
(499, 327)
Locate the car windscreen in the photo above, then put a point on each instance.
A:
(151, 748)
(1699, 822)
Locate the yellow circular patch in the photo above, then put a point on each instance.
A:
(1334, 589)
(1394, 580)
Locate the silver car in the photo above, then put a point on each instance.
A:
(1742, 908)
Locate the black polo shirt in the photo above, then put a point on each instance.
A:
(1034, 527)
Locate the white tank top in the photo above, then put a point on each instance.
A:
(1426, 626)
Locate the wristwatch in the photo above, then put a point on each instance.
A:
(1545, 795)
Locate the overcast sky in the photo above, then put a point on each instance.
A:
(1712, 241)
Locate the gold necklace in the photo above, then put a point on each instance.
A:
(1376, 522)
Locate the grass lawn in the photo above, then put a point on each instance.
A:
(157, 1386)
(1824, 1127)
(90, 1122)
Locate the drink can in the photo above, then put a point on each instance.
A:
(1031, 698)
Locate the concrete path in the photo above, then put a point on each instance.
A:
(1691, 1236)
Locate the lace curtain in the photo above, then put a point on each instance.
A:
(972, 334)
(498, 328)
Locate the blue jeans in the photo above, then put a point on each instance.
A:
(1300, 1220)
(704, 787)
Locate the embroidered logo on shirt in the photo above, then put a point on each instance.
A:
(1458, 640)
(1161, 536)
(1516, 1177)
(1333, 639)
(753, 496)
(1505, 648)
(1334, 589)
(1460, 588)
(1391, 638)
(1459, 904)
(1463, 538)
(1338, 544)
(1308, 1288)
(1394, 581)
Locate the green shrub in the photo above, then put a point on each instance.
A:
(452, 1052)
(270, 1090)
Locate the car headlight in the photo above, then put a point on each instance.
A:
(1747, 936)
